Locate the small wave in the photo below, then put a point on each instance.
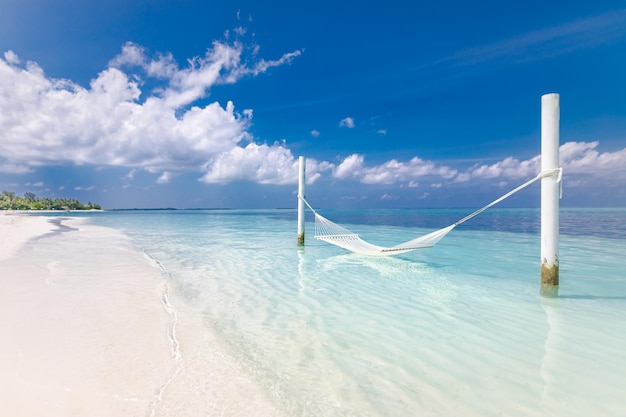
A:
(174, 342)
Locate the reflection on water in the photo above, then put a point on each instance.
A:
(583, 365)
(549, 367)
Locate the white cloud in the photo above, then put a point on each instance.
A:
(263, 164)
(263, 65)
(392, 171)
(131, 174)
(388, 197)
(583, 158)
(114, 122)
(117, 121)
(80, 188)
(507, 168)
(350, 167)
(463, 177)
(165, 178)
(14, 168)
(347, 122)
(11, 58)
(576, 158)
(315, 133)
(132, 54)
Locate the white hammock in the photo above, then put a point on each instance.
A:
(337, 235)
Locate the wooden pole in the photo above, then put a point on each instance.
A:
(550, 116)
(301, 182)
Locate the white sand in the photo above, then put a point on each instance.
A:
(18, 228)
(90, 328)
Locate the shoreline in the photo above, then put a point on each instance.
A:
(92, 327)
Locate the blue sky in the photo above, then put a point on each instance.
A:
(209, 104)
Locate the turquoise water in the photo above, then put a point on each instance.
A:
(458, 329)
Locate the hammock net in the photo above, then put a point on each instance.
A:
(338, 235)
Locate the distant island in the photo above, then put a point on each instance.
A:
(10, 201)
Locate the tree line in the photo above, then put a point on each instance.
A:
(10, 201)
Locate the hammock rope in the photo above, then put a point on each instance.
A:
(335, 234)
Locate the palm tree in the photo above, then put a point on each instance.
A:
(8, 198)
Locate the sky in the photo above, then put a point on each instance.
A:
(209, 104)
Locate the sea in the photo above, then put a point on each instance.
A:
(460, 329)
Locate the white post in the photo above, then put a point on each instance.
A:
(301, 181)
(550, 115)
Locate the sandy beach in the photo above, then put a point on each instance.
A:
(91, 328)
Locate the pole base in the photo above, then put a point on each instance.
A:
(550, 280)
(549, 274)
(300, 239)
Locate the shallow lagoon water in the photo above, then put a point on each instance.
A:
(458, 329)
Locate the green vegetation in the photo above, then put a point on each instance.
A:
(9, 201)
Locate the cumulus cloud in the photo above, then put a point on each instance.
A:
(395, 171)
(583, 158)
(349, 167)
(392, 171)
(263, 164)
(507, 168)
(576, 158)
(579, 160)
(11, 58)
(347, 122)
(117, 121)
(315, 133)
(463, 177)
